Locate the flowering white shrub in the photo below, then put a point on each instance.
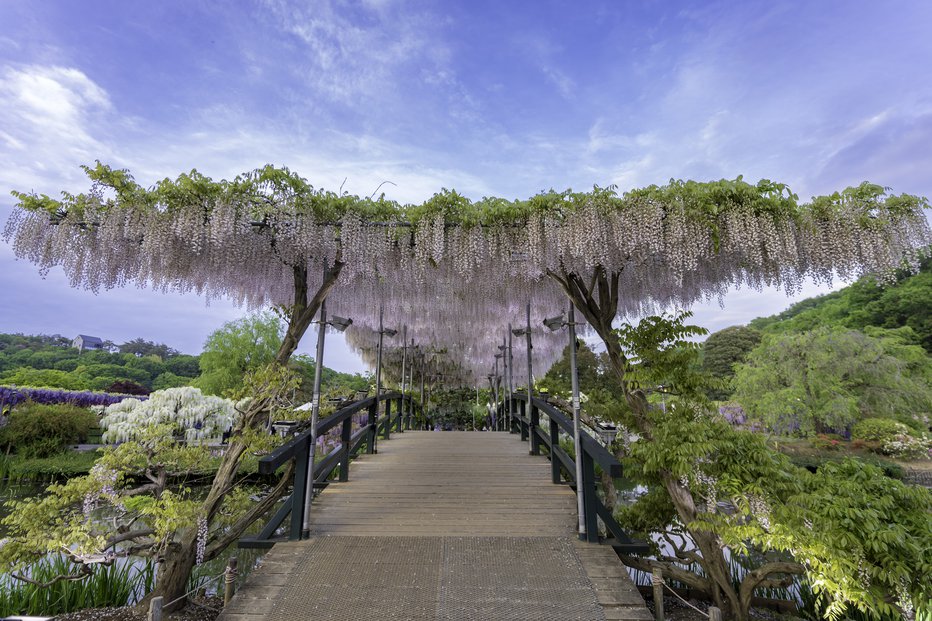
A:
(190, 412)
(908, 447)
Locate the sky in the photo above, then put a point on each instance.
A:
(492, 98)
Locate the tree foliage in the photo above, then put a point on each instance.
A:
(858, 536)
(830, 378)
(237, 348)
(722, 350)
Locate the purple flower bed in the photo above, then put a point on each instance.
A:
(12, 396)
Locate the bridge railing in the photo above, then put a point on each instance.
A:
(526, 421)
(351, 443)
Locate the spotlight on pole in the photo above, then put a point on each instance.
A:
(555, 323)
(389, 332)
(340, 324)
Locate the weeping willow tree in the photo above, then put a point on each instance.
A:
(458, 272)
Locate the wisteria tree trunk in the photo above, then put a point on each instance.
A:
(179, 558)
(597, 300)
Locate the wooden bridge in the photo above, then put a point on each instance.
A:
(440, 525)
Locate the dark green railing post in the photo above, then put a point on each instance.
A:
(589, 498)
(388, 418)
(299, 492)
(522, 410)
(535, 425)
(554, 447)
(345, 434)
(373, 426)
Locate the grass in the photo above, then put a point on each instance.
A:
(40, 469)
(121, 583)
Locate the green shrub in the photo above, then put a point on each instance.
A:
(878, 429)
(35, 430)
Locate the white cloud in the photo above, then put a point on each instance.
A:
(348, 55)
(48, 124)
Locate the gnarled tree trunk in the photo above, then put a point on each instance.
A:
(597, 300)
(179, 558)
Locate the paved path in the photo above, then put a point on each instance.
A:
(442, 526)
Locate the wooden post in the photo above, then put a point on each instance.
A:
(535, 424)
(554, 448)
(229, 581)
(388, 418)
(373, 425)
(346, 434)
(155, 609)
(715, 614)
(657, 582)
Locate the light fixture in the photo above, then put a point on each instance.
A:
(555, 323)
(389, 332)
(340, 324)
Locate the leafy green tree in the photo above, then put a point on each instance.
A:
(169, 380)
(44, 378)
(858, 536)
(830, 378)
(142, 347)
(723, 350)
(184, 365)
(237, 348)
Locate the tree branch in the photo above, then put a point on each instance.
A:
(669, 570)
(260, 508)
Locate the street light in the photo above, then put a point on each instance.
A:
(383, 331)
(554, 324)
(526, 332)
(498, 396)
(339, 324)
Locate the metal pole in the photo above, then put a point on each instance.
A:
(577, 444)
(495, 421)
(530, 380)
(315, 410)
(404, 368)
(423, 413)
(378, 376)
(510, 379)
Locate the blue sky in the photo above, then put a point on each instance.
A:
(501, 98)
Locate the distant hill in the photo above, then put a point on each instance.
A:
(44, 361)
(907, 302)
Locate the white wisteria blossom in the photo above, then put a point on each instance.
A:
(187, 410)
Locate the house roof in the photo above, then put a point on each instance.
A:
(91, 340)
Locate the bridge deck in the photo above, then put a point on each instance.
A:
(452, 525)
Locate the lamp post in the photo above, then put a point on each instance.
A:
(383, 331)
(554, 324)
(340, 324)
(526, 332)
(404, 369)
(507, 361)
(498, 421)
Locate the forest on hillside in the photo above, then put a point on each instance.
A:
(139, 367)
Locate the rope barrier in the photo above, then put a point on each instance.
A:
(656, 580)
(195, 590)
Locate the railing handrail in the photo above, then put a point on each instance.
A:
(599, 453)
(271, 462)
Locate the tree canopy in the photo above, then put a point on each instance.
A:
(452, 269)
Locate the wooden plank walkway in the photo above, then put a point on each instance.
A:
(442, 525)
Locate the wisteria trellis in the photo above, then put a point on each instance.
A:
(456, 271)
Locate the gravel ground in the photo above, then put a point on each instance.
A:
(675, 610)
(202, 609)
